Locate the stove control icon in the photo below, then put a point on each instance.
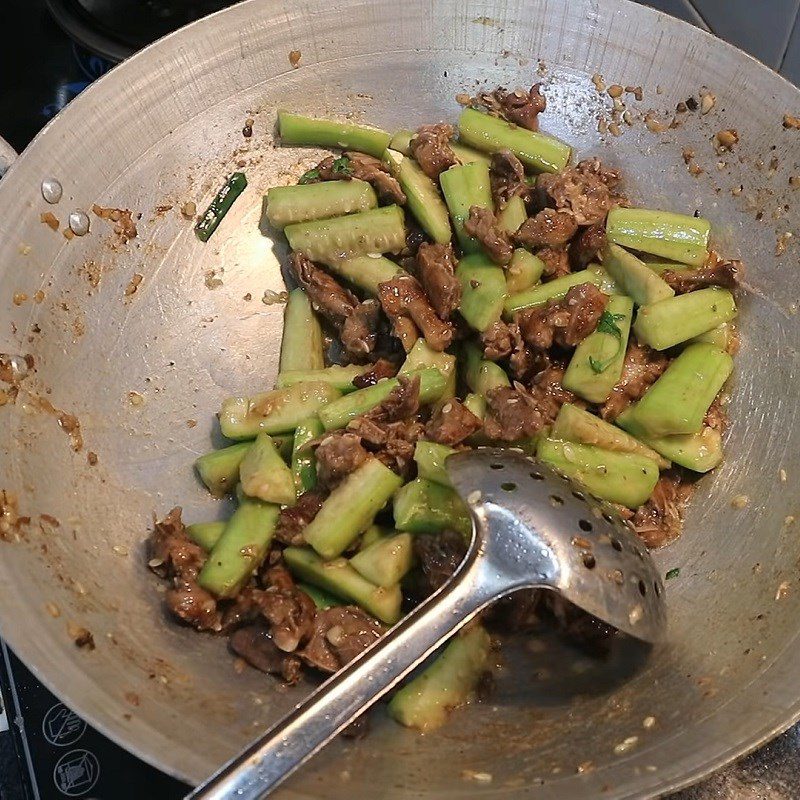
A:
(76, 773)
(62, 727)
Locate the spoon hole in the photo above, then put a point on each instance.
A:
(617, 545)
(608, 518)
(642, 588)
(495, 466)
(508, 487)
(588, 561)
(537, 476)
(585, 525)
(556, 501)
(579, 495)
(657, 589)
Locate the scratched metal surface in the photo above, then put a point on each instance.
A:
(165, 127)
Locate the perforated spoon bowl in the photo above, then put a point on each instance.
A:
(531, 529)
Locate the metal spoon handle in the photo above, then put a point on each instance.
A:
(328, 710)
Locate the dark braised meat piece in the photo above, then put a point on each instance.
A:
(564, 322)
(381, 369)
(171, 553)
(403, 298)
(522, 108)
(452, 423)
(587, 246)
(640, 370)
(586, 190)
(431, 149)
(556, 262)
(483, 225)
(718, 273)
(497, 341)
(254, 644)
(507, 176)
(192, 604)
(364, 168)
(339, 634)
(293, 519)
(360, 329)
(436, 266)
(659, 520)
(438, 556)
(549, 228)
(338, 455)
(289, 611)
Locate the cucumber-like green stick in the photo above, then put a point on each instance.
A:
(536, 151)
(263, 473)
(573, 424)
(699, 452)
(380, 230)
(300, 130)
(678, 401)
(365, 272)
(633, 276)
(351, 507)
(677, 237)
(625, 478)
(287, 205)
(337, 414)
(206, 534)
(337, 376)
(240, 549)
(483, 291)
(304, 463)
(301, 344)
(480, 374)
(423, 506)
(524, 271)
(430, 458)
(464, 187)
(340, 579)
(669, 322)
(385, 562)
(552, 290)
(219, 469)
(278, 411)
(424, 702)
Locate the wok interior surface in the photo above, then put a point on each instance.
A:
(165, 128)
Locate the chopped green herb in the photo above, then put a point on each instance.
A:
(220, 206)
(672, 573)
(607, 324)
(309, 176)
(341, 166)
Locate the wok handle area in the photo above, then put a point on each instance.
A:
(337, 702)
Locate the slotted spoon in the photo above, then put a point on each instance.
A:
(531, 529)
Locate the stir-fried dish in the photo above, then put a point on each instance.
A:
(454, 287)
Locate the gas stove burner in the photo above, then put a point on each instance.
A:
(116, 29)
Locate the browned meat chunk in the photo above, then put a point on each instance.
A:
(338, 455)
(326, 295)
(549, 228)
(586, 190)
(403, 298)
(718, 273)
(364, 168)
(374, 171)
(289, 611)
(589, 633)
(524, 361)
(452, 423)
(431, 149)
(436, 266)
(522, 108)
(339, 635)
(519, 612)
(381, 369)
(171, 552)
(641, 369)
(556, 262)
(563, 322)
(173, 555)
(360, 329)
(587, 245)
(293, 519)
(390, 430)
(192, 604)
(517, 413)
(659, 520)
(483, 225)
(497, 341)
(507, 176)
(254, 644)
(438, 556)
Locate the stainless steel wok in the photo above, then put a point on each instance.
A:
(166, 127)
